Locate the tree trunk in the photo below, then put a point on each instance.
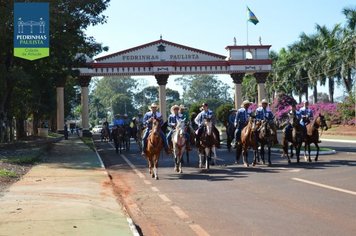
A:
(20, 128)
(315, 94)
(331, 89)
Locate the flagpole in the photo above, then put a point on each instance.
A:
(247, 30)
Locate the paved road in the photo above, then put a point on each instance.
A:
(305, 199)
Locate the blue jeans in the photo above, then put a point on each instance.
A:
(145, 136)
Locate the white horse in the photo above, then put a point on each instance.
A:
(179, 145)
(207, 145)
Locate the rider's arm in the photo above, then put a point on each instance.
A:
(197, 119)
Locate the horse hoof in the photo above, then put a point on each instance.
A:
(289, 162)
(246, 165)
(156, 178)
(269, 163)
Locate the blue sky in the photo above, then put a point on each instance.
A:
(211, 25)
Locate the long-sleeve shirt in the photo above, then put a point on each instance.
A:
(204, 115)
(173, 119)
(241, 117)
(262, 114)
(150, 114)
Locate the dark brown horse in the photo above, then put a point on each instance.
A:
(117, 134)
(248, 140)
(154, 148)
(207, 145)
(296, 137)
(266, 136)
(313, 135)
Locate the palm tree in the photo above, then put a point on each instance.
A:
(329, 41)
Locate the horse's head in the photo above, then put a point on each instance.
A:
(293, 120)
(322, 122)
(180, 127)
(209, 125)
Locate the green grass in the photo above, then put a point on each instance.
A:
(89, 142)
(24, 160)
(7, 173)
(54, 135)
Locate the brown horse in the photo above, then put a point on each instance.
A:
(313, 135)
(179, 145)
(248, 140)
(154, 147)
(295, 137)
(117, 134)
(207, 145)
(266, 136)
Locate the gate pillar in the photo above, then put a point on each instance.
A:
(84, 83)
(162, 80)
(261, 78)
(237, 79)
(60, 83)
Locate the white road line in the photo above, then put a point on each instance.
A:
(164, 198)
(198, 230)
(325, 186)
(154, 189)
(179, 212)
(142, 176)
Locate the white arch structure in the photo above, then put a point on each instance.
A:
(162, 58)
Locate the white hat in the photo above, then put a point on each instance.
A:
(245, 102)
(264, 101)
(174, 107)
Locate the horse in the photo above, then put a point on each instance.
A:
(139, 134)
(105, 134)
(266, 136)
(230, 133)
(127, 136)
(248, 140)
(179, 145)
(154, 147)
(207, 144)
(117, 134)
(313, 135)
(295, 137)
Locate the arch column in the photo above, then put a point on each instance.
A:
(162, 80)
(261, 78)
(237, 79)
(84, 83)
(60, 83)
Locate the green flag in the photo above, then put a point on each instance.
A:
(251, 17)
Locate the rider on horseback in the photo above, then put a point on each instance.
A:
(293, 112)
(206, 113)
(173, 118)
(262, 113)
(241, 119)
(147, 121)
(306, 116)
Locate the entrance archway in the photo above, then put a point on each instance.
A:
(162, 58)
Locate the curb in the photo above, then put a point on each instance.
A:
(130, 222)
(338, 140)
(278, 150)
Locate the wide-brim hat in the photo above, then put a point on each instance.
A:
(204, 104)
(245, 103)
(264, 101)
(182, 107)
(153, 105)
(174, 107)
